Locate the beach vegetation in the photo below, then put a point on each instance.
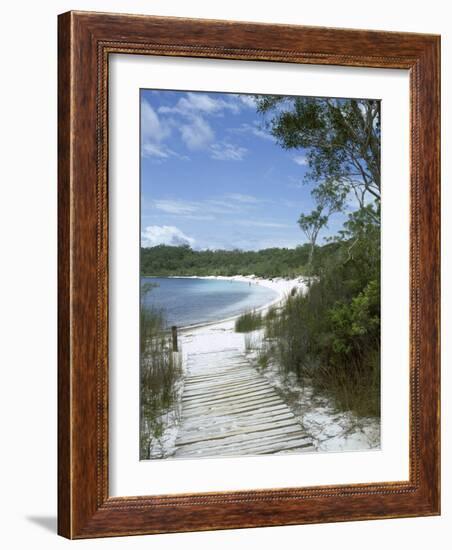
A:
(251, 343)
(160, 372)
(263, 358)
(329, 337)
(249, 321)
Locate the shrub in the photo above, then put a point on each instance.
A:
(330, 337)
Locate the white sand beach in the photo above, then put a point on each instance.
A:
(220, 335)
(207, 348)
(282, 287)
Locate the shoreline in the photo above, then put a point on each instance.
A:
(283, 287)
(332, 430)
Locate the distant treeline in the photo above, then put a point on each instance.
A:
(165, 260)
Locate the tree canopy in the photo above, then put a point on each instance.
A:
(341, 140)
(165, 260)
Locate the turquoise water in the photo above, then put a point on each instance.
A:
(192, 301)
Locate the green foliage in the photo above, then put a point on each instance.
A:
(352, 323)
(249, 321)
(165, 260)
(160, 370)
(330, 337)
(263, 359)
(341, 138)
(311, 224)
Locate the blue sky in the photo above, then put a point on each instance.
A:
(213, 177)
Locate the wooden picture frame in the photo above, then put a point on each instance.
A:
(85, 42)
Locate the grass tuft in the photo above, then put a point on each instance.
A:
(160, 370)
(249, 321)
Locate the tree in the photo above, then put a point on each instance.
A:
(341, 138)
(311, 224)
(330, 199)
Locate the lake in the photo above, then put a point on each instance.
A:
(191, 301)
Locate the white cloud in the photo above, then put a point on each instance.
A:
(194, 210)
(227, 151)
(152, 127)
(255, 129)
(175, 207)
(200, 102)
(220, 206)
(195, 130)
(207, 209)
(257, 223)
(160, 151)
(197, 133)
(301, 160)
(154, 132)
(154, 235)
(258, 132)
(154, 150)
(247, 100)
(239, 197)
(190, 117)
(195, 103)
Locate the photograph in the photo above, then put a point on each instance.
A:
(259, 274)
(224, 236)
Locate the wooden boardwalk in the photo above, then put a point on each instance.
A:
(229, 409)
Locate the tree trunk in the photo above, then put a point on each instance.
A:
(311, 253)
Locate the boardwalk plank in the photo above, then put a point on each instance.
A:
(246, 417)
(214, 427)
(229, 408)
(269, 446)
(252, 384)
(251, 429)
(224, 397)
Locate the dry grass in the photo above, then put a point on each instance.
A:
(160, 370)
